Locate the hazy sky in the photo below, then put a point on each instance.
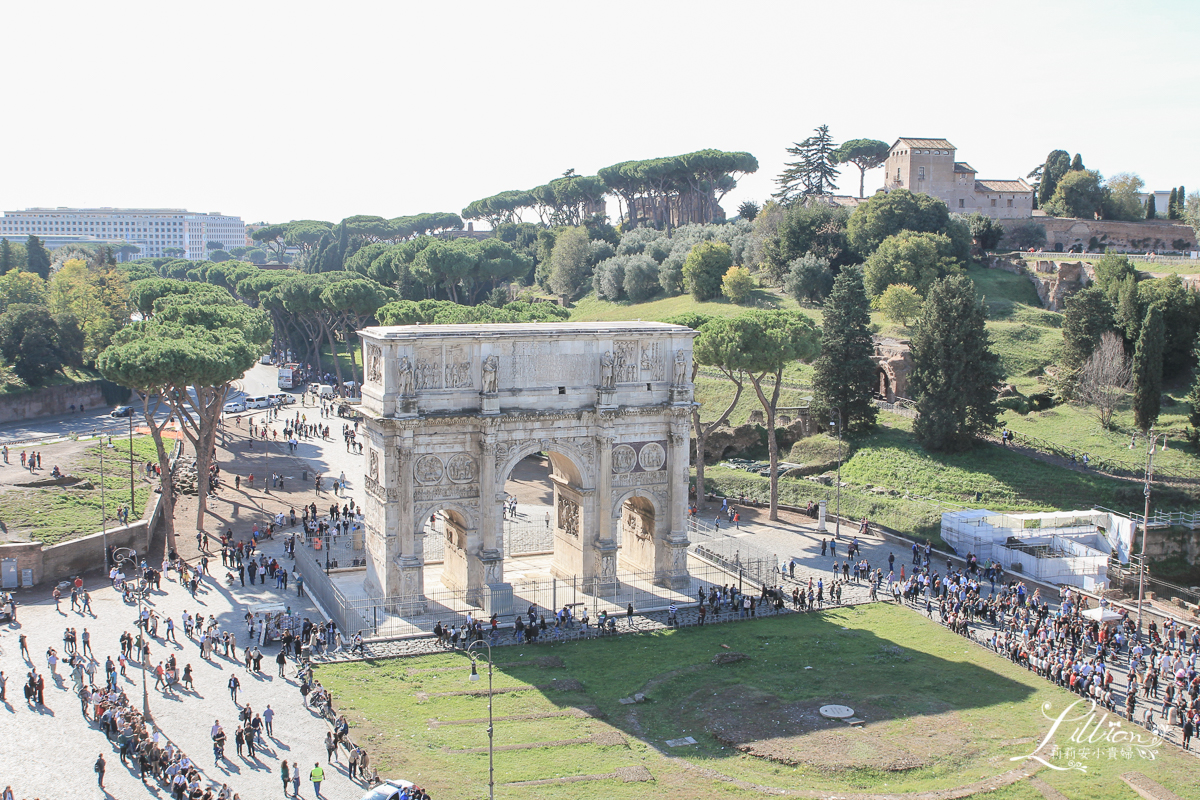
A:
(291, 110)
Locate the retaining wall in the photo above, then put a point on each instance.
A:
(51, 401)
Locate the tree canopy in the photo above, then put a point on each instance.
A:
(815, 172)
(955, 374)
(863, 153)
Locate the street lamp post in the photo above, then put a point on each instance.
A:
(1152, 438)
(837, 519)
(131, 490)
(130, 557)
(475, 677)
(103, 510)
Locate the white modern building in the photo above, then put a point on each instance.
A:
(1064, 547)
(153, 230)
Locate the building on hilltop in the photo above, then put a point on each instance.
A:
(928, 166)
(153, 230)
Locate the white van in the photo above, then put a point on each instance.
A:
(324, 391)
(258, 402)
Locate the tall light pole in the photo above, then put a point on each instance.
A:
(103, 509)
(130, 556)
(131, 489)
(1151, 439)
(837, 519)
(475, 677)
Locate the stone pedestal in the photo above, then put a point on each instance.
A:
(606, 398)
(607, 578)
(821, 517)
(491, 404)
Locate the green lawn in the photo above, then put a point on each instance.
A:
(896, 483)
(592, 309)
(1074, 427)
(57, 514)
(939, 713)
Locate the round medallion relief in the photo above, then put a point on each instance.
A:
(461, 468)
(623, 458)
(652, 457)
(428, 469)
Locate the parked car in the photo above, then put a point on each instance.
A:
(388, 790)
(281, 398)
(122, 411)
(234, 407)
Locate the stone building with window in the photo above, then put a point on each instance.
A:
(927, 166)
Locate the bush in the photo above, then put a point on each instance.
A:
(737, 285)
(1041, 401)
(705, 267)
(809, 278)
(641, 278)
(1017, 404)
(609, 278)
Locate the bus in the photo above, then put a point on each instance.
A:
(289, 376)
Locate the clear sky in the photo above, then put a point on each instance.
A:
(291, 110)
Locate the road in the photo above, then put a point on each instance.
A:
(261, 379)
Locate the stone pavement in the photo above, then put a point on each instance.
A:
(49, 752)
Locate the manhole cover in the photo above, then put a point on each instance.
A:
(836, 712)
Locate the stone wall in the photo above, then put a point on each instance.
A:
(1137, 237)
(61, 561)
(51, 401)
(1054, 281)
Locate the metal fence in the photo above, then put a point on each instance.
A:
(520, 539)
(734, 554)
(905, 408)
(1112, 466)
(385, 617)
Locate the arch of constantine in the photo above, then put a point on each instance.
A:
(450, 410)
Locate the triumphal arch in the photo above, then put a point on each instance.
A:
(449, 411)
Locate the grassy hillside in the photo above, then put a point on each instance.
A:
(592, 309)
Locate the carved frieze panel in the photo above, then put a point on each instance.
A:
(428, 368)
(374, 363)
(458, 369)
(630, 479)
(627, 355)
(448, 491)
(652, 361)
(568, 516)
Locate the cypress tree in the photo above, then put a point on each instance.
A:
(5, 256)
(37, 259)
(1056, 165)
(1151, 211)
(955, 371)
(1129, 310)
(845, 373)
(1077, 163)
(1181, 203)
(1088, 315)
(1172, 205)
(1147, 370)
